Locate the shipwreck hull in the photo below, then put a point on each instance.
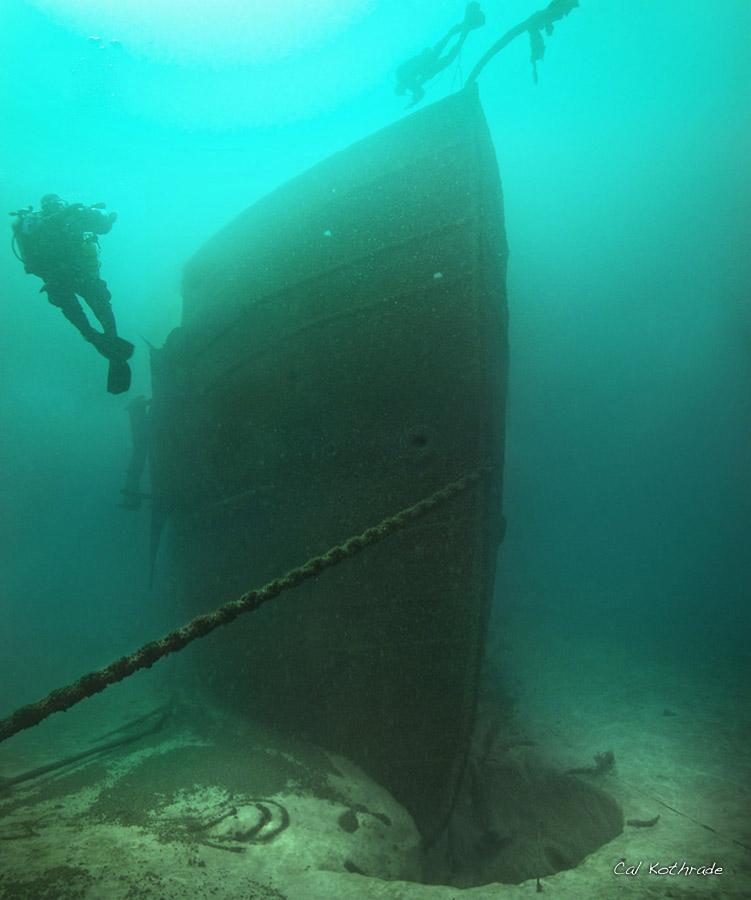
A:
(343, 355)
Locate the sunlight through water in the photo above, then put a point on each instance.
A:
(224, 32)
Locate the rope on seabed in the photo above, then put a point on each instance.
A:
(95, 682)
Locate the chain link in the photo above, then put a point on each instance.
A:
(95, 682)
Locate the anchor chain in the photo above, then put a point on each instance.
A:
(95, 682)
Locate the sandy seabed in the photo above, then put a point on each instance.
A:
(169, 816)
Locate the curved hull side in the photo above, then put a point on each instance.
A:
(332, 380)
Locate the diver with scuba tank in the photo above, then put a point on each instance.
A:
(60, 245)
(412, 75)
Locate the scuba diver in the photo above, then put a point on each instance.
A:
(412, 75)
(60, 245)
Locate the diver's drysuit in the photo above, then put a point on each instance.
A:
(62, 249)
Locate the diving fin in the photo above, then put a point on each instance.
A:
(111, 347)
(123, 348)
(118, 376)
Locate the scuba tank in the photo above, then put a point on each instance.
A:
(25, 224)
(38, 248)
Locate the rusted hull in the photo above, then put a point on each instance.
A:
(342, 355)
